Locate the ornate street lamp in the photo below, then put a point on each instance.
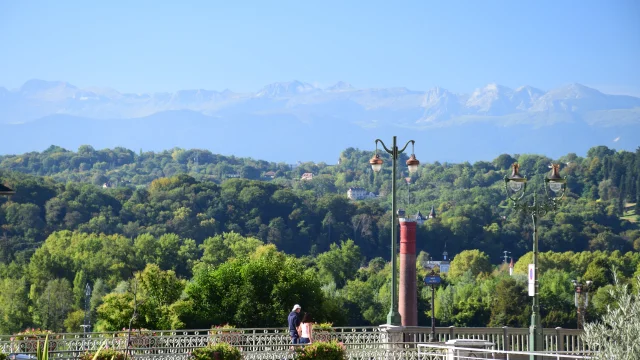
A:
(393, 318)
(581, 299)
(516, 186)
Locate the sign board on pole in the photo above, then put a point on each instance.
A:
(532, 282)
(432, 280)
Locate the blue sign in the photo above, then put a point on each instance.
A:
(432, 280)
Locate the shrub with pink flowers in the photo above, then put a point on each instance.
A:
(225, 333)
(139, 338)
(323, 331)
(31, 333)
(27, 340)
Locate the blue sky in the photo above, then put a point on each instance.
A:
(141, 45)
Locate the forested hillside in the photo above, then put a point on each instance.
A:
(169, 192)
(166, 218)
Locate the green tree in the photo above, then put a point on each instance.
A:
(254, 292)
(115, 312)
(557, 299)
(340, 263)
(97, 294)
(158, 290)
(474, 261)
(79, 284)
(215, 252)
(509, 307)
(14, 305)
(74, 321)
(503, 161)
(598, 272)
(54, 304)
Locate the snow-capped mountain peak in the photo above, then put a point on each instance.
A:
(340, 86)
(285, 89)
(493, 99)
(38, 98)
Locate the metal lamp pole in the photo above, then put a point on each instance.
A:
(518, 186)
(393, 318)
(87, 317)
(432, 336)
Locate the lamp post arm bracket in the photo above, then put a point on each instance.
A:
(405, 146)
(384, 146)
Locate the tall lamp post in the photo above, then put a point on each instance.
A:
(515, 187)
(581, 299)
(87, 317)
(393, 318)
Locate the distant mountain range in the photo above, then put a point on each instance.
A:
(295, 112)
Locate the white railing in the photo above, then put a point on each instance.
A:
(273, 340)
(449, 352)
(504, 338)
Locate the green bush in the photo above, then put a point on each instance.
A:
(615, 336)
(332, 350)
(103, 354)
(3, 356)
(226, 351)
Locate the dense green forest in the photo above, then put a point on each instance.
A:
(199, 238)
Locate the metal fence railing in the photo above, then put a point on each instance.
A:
(449, 352)
(162, 343)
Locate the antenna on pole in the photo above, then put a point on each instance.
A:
(506, 255)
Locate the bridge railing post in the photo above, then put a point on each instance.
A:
(560, 339)
(451, 332)
(506, 339)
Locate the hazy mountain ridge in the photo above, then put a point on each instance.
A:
(295, 120)
(398, 106)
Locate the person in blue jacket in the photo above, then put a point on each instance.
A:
(294, 324)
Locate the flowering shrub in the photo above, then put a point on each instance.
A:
(323, 327)
(332, 350)
(225, 333)
(31, 333)
(139, 337)
(104, 354)
(3, 356)
(219, 351)
(141, 331)
(28, 339)
(223, 327)
(322, 331)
